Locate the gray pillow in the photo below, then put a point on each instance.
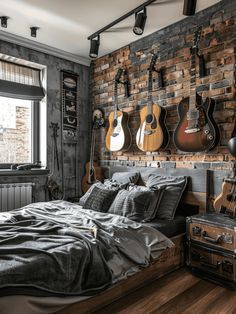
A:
(118, 203)
(126, 177)
(98, 184)
(140, 203)
(173, 190)
(100, 199)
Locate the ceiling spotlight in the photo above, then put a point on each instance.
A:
(33, 31)
(4, 21)
(140, 20)
(94, 45)
(189, 7)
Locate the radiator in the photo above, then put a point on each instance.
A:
(15, 195)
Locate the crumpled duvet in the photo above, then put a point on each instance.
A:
(58, 248)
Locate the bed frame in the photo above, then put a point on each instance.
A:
(196, 196)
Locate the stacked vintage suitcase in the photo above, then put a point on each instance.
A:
(211, 241)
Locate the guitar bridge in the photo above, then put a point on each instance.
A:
(191, 130)
(149, 132)
(114, 134)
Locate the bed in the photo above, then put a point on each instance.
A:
(138, 264)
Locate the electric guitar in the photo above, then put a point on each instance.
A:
(152, 133)
(196, 130)
(226, 202)
(118, 136)
(92, 171)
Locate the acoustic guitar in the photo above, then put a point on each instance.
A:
(92, 171)
(226, 201)
(118, 136)
(196, 130)
(152, 133)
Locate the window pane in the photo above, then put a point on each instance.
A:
(15, 130)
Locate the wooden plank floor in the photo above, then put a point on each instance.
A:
(178, 292)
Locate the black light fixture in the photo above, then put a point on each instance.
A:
(33, 31)
(189, 7)
(94, 46)
(4, 21)
(140, 21)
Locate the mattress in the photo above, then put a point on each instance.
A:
(169, 228)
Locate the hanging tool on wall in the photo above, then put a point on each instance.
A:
(52, 186)
(55, 128)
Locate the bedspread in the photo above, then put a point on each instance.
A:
(58, 248)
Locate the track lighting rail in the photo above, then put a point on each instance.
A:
(137, 9)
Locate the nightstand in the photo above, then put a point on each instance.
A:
(211, 246)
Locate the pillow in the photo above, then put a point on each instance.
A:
(110, 183)
(100, 199)
(140, 203)
(98, 184)
(173, 190)
(118, 203)
(126, 177)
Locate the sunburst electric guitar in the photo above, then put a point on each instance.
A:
(152, 133)
(118, 136)
(196, 130)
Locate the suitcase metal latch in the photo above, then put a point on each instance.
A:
(197, 231)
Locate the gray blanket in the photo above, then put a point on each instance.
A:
(59, 248)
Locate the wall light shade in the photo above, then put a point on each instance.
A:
(140, 21)
(94, 46)
(189, 7)
(4, 21)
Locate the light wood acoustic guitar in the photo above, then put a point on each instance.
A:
(92, 171)
(118, 137)
(196, 130)
(152, 133)
(225, 202)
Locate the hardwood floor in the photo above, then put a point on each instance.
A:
(178, 292)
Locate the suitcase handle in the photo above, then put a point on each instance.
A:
(209, 239)
(204, 263)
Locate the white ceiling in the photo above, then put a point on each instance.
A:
(66, 24)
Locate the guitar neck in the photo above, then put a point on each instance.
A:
(149, 104)
(115, 101)
(192, 97)
(92, 149)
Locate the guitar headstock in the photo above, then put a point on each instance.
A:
(153, 62)
(118, 75)
(196, 37)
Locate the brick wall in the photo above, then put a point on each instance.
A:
(14, 143)
(218, 44)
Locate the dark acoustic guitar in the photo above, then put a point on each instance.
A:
(152, 133)
(118, 137)
(92, 171)
(196, 130)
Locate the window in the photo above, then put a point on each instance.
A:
(22, 114)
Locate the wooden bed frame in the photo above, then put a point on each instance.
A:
(196, 195)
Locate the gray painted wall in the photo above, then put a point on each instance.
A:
(75, 155)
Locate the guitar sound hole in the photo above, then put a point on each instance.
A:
(115, 122)
(149, 118)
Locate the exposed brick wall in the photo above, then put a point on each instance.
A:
(218, 44)
(14, 143)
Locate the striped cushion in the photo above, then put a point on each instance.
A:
(140, 203)
(100, 199)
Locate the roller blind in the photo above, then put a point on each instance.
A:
(18, 81)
